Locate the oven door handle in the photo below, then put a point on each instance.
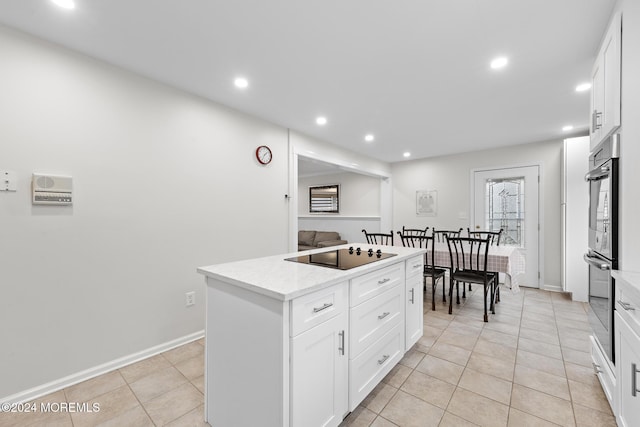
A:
(597, 174)
(595, 263)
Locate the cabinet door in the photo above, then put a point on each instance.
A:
(605, 109)
(414, 326)
(319, 374)
(628, 367)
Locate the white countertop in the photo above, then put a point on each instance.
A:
(285, 280)
(631, 278)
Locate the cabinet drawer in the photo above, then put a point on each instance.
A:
(373, 318)
(603, 371)
(415, 265)
(312, 309)
(371, 284)
(628, 305)
(368, 369)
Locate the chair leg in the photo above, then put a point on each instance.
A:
(458, 291)
(464, 292)
(434, 284)
(486, 317)
(450, 296)
(444, 287)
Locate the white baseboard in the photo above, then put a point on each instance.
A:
(59, 384)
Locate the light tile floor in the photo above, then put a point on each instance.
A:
(528, 366)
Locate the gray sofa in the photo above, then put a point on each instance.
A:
(311, 239)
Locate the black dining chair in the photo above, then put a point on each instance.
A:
(469, 257)
(439, 235)
(430, 269)
(494, 236)
(413, 231)
(379, 238)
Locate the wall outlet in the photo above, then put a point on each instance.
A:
(191, 298)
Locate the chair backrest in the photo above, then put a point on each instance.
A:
(494, 236)
(439, 235)
(468, 253)
(379, 238)
(413, 231)
(426, 242)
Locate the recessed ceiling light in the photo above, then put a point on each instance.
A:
(499, 62)
(321, 121)
(369, 138)
(567, 128)
(583, 86)
(241, 82)
(406, 154)
(66, 4)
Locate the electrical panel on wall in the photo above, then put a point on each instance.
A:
(51, 190)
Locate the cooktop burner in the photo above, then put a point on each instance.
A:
(342, 259)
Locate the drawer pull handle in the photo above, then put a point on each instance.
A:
(324, 307)
(413, 291)
(341, 348)
(383, 315)
(416, 266)
(634, 373)
(626, 306)
(384, 359)
(383, 281)
(596, 368)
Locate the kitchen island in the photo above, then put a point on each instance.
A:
(302, 344)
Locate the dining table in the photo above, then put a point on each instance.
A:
(509, 260)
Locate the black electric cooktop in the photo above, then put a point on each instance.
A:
(342, 259)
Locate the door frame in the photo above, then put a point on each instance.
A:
(386, 187)
(541, 280)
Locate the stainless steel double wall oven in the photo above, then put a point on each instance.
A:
(602, 255)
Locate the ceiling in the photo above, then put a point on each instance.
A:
(413, 73)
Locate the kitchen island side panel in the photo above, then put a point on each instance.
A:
(246, 370)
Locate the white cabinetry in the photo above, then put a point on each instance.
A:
(605, 84)
(414, 301)
(377, 329)
(319, 361)
(627, 341)
(288, 344)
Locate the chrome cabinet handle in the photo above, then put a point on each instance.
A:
(595, 116)
(384, 359)
(634, 372)
(596, 368)
(412, 295)
(341, 348)
(324, 307)
(626, 306)
(383, 281)
(383, 315)
(417, 265)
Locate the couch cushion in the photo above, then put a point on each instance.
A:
(306, 237)
(323, 236)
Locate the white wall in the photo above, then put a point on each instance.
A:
(164, 182)
(450, 176)
(359, 205)
(629, 230)
(359, 194)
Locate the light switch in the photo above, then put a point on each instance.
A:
(8, 181)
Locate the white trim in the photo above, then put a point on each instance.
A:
(78, 377)
(386, 189)
(346, 217)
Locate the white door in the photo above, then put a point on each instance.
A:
(508, 199)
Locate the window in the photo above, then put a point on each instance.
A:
(505, 209)
(324, 199)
